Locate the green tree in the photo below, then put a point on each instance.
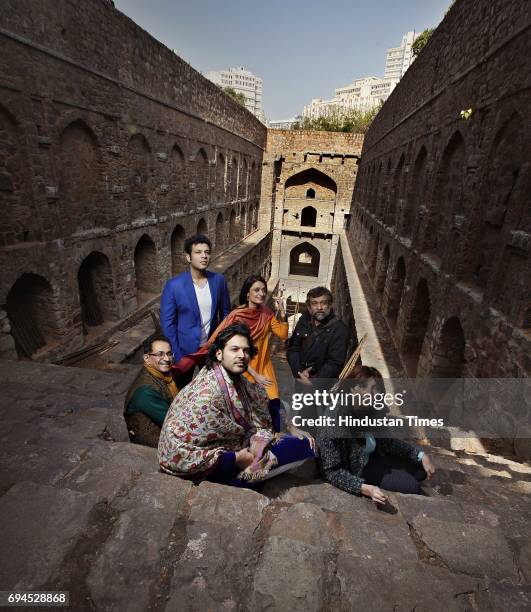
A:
(352, 121)
(238, 96)
(421, 41)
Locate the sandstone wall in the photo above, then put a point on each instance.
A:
(441, 215)
(307, 184)
(112, 150)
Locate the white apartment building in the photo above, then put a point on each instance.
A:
(362, 95)
(242, 81)
(281, 124)
(366, 93)
(399, 59)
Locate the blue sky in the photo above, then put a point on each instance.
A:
(302, 49)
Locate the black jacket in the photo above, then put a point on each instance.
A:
(342, 459)
(323, 347)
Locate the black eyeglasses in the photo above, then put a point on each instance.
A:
(161, 354)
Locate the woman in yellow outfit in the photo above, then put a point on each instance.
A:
(261, 320)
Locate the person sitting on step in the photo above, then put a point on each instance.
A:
(219, 427)
(361, 465)
(151, 393)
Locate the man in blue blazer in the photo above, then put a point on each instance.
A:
(195, 302)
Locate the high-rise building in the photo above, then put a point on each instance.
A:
(242, 81)
(399, 59)
(366, 93)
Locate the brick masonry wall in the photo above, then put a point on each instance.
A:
(441, 214)
(112, 149)
(294, 163)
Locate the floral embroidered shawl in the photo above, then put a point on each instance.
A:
(201, 424)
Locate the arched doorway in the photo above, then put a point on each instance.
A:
(233, 237)
(449, 355)
(178, 263)
(382, 272)
(96, 290)
(396, 286)
(30, 306)
(309, 216)
(220, 234)
(416, 326)
(147, 277)
(304, 260)
(202, 227)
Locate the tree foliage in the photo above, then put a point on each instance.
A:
(342, 121)
(421, 41)
(238, 96)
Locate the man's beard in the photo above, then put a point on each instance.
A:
(319, 316)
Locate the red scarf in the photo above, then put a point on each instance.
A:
(256, 319)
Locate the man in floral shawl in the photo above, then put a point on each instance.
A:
(219, 427)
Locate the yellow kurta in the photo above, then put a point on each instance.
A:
(261, 362)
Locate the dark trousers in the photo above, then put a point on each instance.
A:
(287, 450)
(393, 474)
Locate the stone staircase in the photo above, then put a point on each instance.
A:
(85, 511)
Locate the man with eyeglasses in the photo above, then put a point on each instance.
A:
(151, 393)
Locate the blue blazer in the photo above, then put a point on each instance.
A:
(180, 318)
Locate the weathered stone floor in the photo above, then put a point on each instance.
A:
(85, 511)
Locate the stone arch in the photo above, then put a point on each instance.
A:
(31, 308)
(416, 193)
(233, 230)
(80, 175)
(304, 260)
(244, 220)
(310, 194)
(202, 227)
(233, 186)
(220, 178)
(146, 273)
(373, 256)
(17, 222)
(381, 275)
(96, 291)
(201, 177)
(297, 185)
(254, 180)
(309, 216)
(178, 263)
(376, 189)
(395, 289)
(243, 187)
(499, 196)
(394, 197)
(140, 168)
(447, 198)
(178, 174)
(219, 233)
(448, 358)
(254, 220)
(416, 327)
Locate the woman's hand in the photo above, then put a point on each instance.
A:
(279, 305)
(301, 435)
(244, 458)
(375, 493)
(428, 466)
(262, 380)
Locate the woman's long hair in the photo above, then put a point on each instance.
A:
(247, 284)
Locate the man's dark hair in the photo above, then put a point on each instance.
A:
(247, 284)
(196, 239)
(147, 345)
(237, 329)
(318, 292)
